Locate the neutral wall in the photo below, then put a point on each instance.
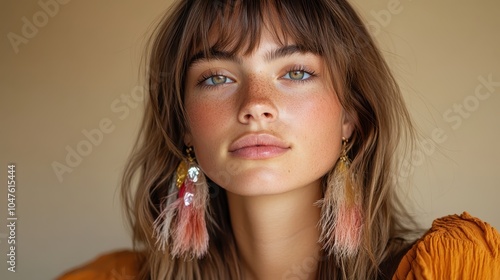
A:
(72, 86)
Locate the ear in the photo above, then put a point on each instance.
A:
(347, 125)
(188, 139)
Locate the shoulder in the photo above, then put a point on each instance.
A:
(116, 265)
(456, 247)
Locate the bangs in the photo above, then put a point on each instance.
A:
(236, 26)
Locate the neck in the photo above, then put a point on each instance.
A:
(277, 235)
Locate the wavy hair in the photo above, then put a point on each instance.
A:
(366, 90)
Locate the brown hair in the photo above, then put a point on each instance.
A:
(366, 90)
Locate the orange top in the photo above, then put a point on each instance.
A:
(456, 247)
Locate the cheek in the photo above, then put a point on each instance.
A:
(200, 119)
(204, 117)
(321, 129)
(320, 114)
(328, 123)
(208, 126)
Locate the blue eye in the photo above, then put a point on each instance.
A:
(297, 75)
(216, 80)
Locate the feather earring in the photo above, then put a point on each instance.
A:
(341, 211)
(181, 224)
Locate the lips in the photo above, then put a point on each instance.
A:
(258, 146)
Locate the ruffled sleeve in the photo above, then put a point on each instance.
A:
(456, 247)
(119, 265)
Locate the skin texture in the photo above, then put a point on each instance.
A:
(271, 189)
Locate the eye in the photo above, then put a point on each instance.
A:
(215, 80)
(298, 75)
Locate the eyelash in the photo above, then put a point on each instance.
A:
(304, 69)
(295, 68)
(207, 76)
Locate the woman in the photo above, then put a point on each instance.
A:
(268, 150)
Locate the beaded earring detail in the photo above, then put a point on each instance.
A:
(182, 223)
(341, 211)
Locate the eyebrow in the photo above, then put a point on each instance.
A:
(222, 55)
(283, 52)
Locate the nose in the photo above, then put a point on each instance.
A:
(257, 104)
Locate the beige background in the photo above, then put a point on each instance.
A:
(78, 71)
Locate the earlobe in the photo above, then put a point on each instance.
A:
(347, 129)
(347, 125)
(188, 139)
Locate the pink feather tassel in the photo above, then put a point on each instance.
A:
(347, 230)
(181, 223)
(342, 216)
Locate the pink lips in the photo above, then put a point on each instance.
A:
(258, 146)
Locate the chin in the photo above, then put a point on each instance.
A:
(256, 183)
(263, 178)
(255, 191)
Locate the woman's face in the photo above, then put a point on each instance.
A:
(264, 123)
